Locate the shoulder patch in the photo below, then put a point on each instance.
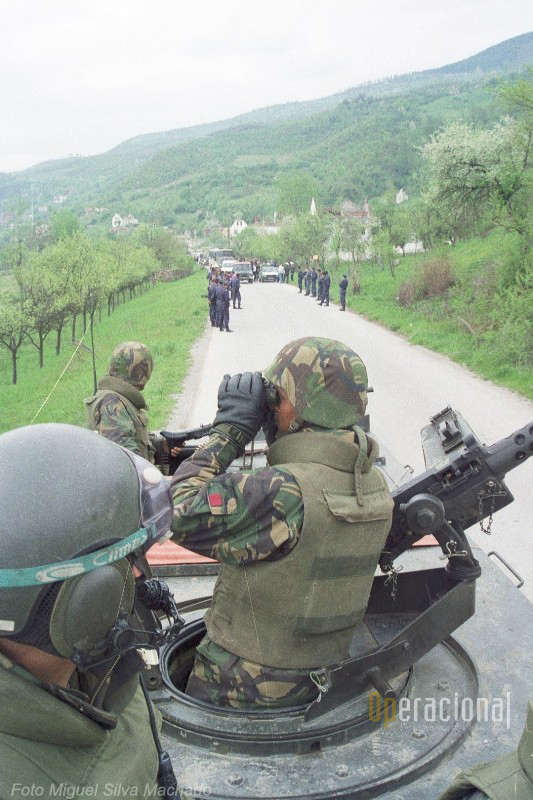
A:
(221, 500)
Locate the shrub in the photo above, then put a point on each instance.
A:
(437, 277)
(433, 279)
(408, 293)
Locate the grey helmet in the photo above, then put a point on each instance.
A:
(73, 504)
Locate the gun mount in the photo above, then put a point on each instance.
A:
(352, 741)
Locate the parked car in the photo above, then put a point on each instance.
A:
(244, 270)
(268, 272)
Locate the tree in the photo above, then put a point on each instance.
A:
(168, 250)
(304, 237)
(354, 240)
(40, 294)
(263, 246)
(13, 327)
(486, 168)
(401, 228)
(62, 225)
(384, 250)
(337, 237)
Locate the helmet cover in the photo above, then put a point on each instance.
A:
(325, 381)
(133, 362)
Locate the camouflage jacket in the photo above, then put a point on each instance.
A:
(264, 521)
(117, 411)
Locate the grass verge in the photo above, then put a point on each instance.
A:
(168, 318)
(468, 322)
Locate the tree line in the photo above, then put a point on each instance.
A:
(69, 282)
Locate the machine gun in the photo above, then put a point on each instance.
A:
(463, 484)
(168, 463)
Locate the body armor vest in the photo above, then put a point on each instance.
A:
(300, 611)
(134, 403)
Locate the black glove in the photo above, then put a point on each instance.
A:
(241, 403)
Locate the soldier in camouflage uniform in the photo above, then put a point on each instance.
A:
(118, 409)
(281, 611)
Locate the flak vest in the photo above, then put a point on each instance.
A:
(300, 611)
(135, 405)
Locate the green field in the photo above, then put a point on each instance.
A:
(168, 318)
(476, 322)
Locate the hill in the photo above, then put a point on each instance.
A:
(354, 144)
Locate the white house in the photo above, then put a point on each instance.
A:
(128, 221)
(237, 227)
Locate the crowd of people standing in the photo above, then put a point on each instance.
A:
(317, 284)
(225, 288)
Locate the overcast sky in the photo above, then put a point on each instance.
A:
(79, 76)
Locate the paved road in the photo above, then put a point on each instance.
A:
(410, 385)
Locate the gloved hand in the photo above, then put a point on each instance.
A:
(241, 403)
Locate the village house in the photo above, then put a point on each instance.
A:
(237, 227)
(119, 222)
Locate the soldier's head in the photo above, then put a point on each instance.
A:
(70, 541)
(133, 362)
(323, 380)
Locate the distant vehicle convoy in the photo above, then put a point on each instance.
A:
(227, 263)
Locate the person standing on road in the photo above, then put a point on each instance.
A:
(281, 274)
(320, 284)
(298, 540)
(300, 279)
(211, 298)
(314, 276)
(325, 288)
(343, 285)
(222, 303)
(235, 286)
(307, 281)
(293, 270)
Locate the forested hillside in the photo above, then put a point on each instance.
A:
(353, 145)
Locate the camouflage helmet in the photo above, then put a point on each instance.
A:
(325, 381)
(133, 362)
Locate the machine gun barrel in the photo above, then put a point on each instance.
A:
(508, 453)
(178, 438)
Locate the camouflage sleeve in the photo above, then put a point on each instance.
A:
(115, 423)
(235, 517)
